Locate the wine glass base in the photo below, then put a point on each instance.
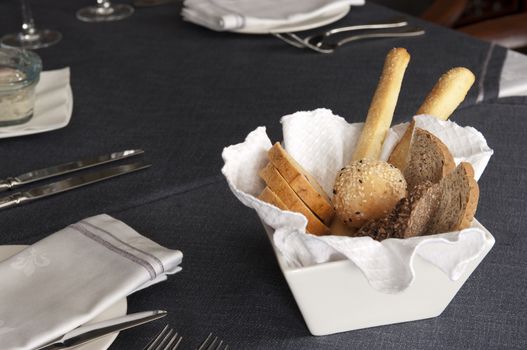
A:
(104, 14)
(37, 40)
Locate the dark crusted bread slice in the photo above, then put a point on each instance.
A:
(409, 218)
(430, 208)
(428, 160)
(459, 200)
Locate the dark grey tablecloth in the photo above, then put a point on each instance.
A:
(182, 93)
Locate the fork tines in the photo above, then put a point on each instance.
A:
(167, 339)
(213, 344)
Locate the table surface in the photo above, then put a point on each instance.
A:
(182, 93)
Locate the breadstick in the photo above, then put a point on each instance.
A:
(382, 105)
(447, 94)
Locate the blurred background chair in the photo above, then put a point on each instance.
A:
(501, 21)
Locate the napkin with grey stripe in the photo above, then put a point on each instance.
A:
(73, 275)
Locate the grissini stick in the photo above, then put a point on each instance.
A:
(369, 188)
(447, 94)
(382, 106)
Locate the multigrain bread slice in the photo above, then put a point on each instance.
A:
(447, 206)
(447, 94)
(409, 218)
(459, 200)
(428, 159)
(290, 199)
(304, 185)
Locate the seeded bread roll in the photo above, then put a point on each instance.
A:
(304, 185)
(429, 159)
(366, 190)
(447, 94)
(283, 191)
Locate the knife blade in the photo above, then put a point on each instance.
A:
(85, 334)
(69, 184)
(62, 169)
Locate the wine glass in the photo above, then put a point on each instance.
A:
(30, 37)
(104, 11)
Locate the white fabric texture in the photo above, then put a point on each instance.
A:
(513, 81)
(71, 276)
(225, 15)
(323, 143)
(53, 105)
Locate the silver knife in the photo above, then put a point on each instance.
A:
(69, 184)
(61, 169)
(94, 331)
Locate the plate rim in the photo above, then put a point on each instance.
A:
(312, 23)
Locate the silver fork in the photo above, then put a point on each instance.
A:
(167, 339)
(213, 344)
(318, 42)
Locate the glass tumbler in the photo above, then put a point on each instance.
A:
(19, 74)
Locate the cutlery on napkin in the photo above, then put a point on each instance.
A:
(69, 277)
(88, 333)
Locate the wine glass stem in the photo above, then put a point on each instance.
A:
(28, 23)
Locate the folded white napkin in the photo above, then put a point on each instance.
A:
(259, 15)
(323, 143)
(53, 105)
(73, 275)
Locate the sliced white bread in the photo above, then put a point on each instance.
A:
(277, 184)
(304, 185)
(270, 197)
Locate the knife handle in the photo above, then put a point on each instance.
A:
(7, 184)
(12, 200)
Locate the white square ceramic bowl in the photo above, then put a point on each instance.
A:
(335, 297)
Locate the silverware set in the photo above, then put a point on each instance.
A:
(88, 333)
(70, 183)
(324, 43)
(169, 339)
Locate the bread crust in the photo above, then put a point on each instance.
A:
(270, 197)
(446, 95)
(447, 160)
(473, 197)
(304, 185)
(277, 183)
(382, 106)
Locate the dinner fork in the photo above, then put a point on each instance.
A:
(319, 43)
(167, 339)
(213, 344)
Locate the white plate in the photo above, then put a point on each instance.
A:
(53, 105)
(326, 18)
(116, 310)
